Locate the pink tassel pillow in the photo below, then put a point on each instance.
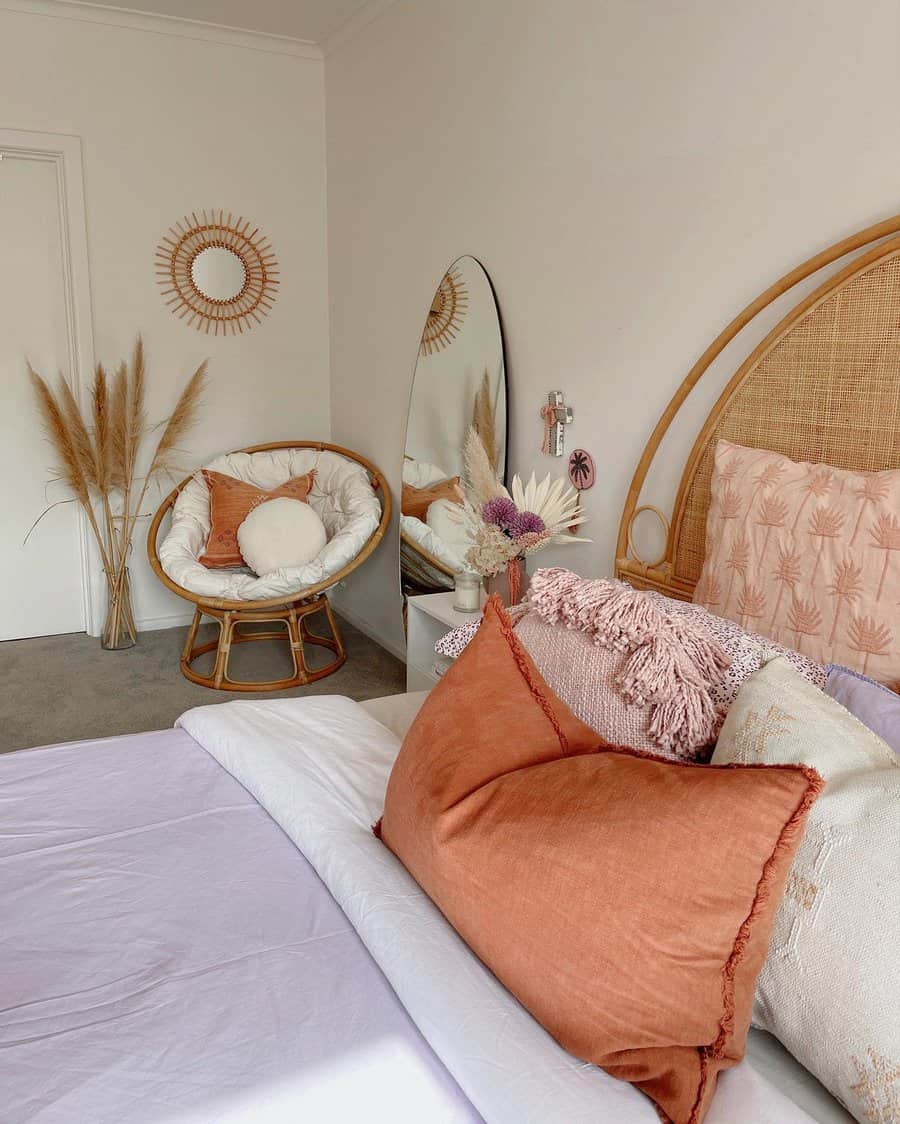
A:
(596, 684)
(639, 668)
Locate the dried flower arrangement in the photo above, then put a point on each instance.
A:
(506, 526)
(97, 461)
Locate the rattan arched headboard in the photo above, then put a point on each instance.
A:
(823, 385)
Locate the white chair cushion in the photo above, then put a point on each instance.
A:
(421, 473)
(281, 533)
(447, 521)
(423, 536)
(342, 497)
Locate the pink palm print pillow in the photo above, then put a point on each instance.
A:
(808, 555)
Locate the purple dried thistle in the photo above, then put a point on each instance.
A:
(526, 523)
(499, 511)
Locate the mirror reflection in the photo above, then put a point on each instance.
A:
(218, 273)
(459, 381)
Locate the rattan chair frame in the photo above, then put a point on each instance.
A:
(676, 571)
(291, 611)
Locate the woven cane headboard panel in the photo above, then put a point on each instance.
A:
(824, 385)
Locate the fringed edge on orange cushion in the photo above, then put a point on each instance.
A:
(716, 1049)
(522, 662)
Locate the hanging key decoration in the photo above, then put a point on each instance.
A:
(557, 415)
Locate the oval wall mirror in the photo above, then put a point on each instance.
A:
(459, 381)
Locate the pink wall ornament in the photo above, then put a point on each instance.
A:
(582, 471)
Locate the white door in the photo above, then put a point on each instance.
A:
(41, 581)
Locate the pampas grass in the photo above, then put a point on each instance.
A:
(98, 463)
(182, 418)
(483, 421)
(100, 418)
(119, 424)
(68, 466)
(480, 479)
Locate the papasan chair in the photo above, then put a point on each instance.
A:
(345, 495)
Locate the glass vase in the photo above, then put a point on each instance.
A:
(511, 584)
(119, 630)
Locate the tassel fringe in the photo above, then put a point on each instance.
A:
(672, 660)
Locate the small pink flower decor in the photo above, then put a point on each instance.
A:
(505, 526)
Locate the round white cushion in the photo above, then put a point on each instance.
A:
(280, 533)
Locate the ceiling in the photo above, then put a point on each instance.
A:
(312, 20)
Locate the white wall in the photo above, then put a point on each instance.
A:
(170, 125)
(630, 172)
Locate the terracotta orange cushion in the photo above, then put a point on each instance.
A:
(230, 502)
(626, 900)
(416, 501)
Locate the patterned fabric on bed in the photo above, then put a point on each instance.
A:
(807, 554)
(587, 676)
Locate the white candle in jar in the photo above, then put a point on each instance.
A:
(468, 592)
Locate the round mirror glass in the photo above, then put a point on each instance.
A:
(218, 273)
(459, 382)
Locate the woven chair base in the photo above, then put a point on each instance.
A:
(296, 632)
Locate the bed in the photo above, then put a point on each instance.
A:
(199, 924)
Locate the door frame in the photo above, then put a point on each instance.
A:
(64, 151)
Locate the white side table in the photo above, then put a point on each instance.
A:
(428, 617)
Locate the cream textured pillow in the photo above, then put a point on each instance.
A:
(281, 533)
(830, 988)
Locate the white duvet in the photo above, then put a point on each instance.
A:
(320, 766)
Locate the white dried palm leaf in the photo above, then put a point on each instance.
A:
(562, 539)
(554, 501)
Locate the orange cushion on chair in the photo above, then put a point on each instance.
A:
(416, 501)
(626, 900)
(230, 502)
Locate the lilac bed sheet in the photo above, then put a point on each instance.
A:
(167, 955)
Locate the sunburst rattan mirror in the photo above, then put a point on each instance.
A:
(218, 273)
(446, 314)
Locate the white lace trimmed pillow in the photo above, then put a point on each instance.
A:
(830, 987)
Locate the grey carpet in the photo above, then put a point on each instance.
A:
(66, 688)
